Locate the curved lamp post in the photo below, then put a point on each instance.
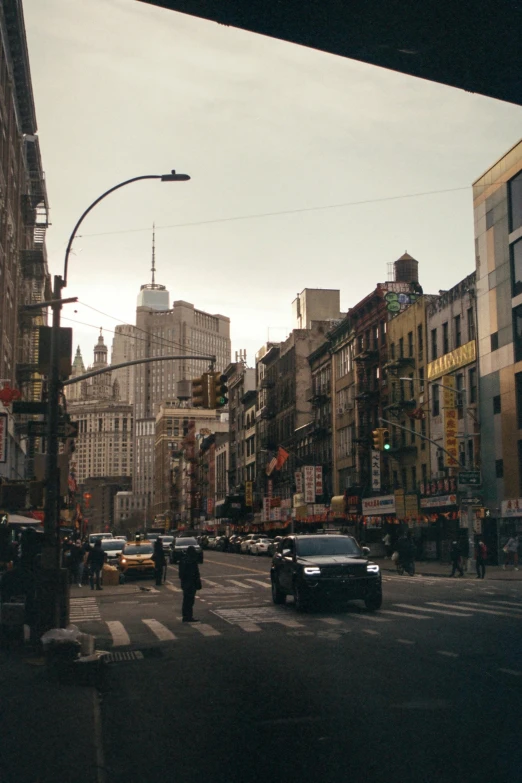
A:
(53, 604)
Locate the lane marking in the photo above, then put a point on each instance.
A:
(405, 641)
(159, 630)
(447, 654)
(204, 629)
(514, 604)
(511, 671)
(258, 582)
(120, 637)
(406, 614)
(241, 584)
(435, 611)
(371, 632)
(496, 612)
(210, 582)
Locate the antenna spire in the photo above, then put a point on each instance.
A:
(153, 268)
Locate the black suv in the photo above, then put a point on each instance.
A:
(324, 566)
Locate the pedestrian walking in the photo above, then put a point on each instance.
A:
(511, 550)
(481, 555)
(95, 560)
(456, 558)
(159, 560)
(86, 548)
(387, 541)
(76, 563)
(190, 583)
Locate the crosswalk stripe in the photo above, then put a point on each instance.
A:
(514, 604)
(211, 583)
(206, 630)
(406, 614)
(514, 672)
(245, 625)
(435, 611)
(486, 609)
(258, 582)
(331, 621)
(371, 631)
(240, 584)
(159, 630)
(172, 588)
(120, 637)
(447, 654)
(370, 617)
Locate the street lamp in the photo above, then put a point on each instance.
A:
(54, 611)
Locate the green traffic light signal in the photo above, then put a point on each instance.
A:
(386, 445)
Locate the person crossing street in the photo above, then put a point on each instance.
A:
(190, 583)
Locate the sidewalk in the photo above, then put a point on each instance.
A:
(435, 568)
(49, 730)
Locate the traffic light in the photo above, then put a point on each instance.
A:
(218, 390)
(199, 392)
(377, 441)
(386, 445)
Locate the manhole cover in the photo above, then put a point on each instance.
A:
(120, 657)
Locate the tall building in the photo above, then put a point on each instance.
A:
(124, 342)
(163, 331)
(24, 276)
(497, 201)
(104, 447)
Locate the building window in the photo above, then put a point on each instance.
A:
(494, 341)
(445, 338)
(413, 477)
(497, 404)
(472, 385)
(458, 332)
(471, 453)
(435, 403)
(383, 332)
(499, 466)
(404, 478)
(401, 347)
(516, 268)
(471, 324)
(392, 350)
(421, 380)
(433, 344)
(424, 472)
(518, 394)
(517, 332)
(420, 340)
(515, 202)
(410, 343)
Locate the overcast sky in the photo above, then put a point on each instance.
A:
(262, 126)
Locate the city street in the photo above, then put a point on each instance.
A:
(426, 689)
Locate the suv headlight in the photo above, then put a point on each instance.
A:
(312, 570)
(373, 568)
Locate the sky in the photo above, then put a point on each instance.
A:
(340, 149)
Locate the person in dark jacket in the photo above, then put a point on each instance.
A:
(481, 557)
(190, 582)
(456, 558)
(95, 560)
(159, 560)
(406, 550)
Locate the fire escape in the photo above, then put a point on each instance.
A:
(367, 398)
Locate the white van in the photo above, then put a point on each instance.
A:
(93, 537)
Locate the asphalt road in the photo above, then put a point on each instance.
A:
(428, 689)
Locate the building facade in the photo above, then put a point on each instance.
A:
(124, 343)
(497, 201)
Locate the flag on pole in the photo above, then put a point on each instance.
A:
(271, 465)
(282, 456)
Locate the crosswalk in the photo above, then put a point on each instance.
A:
(253, 619)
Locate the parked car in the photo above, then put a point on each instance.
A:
(211, 542)
(260, 547)
(234, 543)
(324, 566)
(136, 559)
(180, 549)
(247, 542)
(113, 548)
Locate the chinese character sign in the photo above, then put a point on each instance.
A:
(376, 469)
(298, 482)
(249, 499)
(451, 443)
(309, 484)
(448, 395)
(318, 480)
(266, 509)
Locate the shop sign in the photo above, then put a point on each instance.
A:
(318, 480)
(3, 437)
(319, 508)
(249, 495)
(465, 354)
(266, 509)
(385, 504)
(511, 508)
(269, 487)
(298, 481)
(210, 505)
(376, 469)
(299, 500)
(309, 483)
(451, 443)
(337, 505)
(448, 391)
(438, 501)
(411, 505)
(275, 514)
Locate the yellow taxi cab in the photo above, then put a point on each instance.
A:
(136, 559)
